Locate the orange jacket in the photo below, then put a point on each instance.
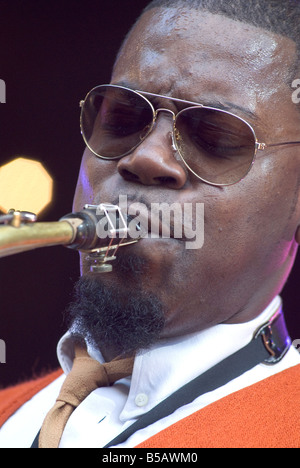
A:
(264, 415)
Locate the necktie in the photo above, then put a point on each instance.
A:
(86, 375)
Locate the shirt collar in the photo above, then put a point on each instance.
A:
(172, 363)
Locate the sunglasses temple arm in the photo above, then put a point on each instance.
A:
(278, 144)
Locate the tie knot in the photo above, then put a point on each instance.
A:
(118, 369)
(87, 374)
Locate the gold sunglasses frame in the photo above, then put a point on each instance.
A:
(258, 146)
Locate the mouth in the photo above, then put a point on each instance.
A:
(155, 220)
(146, 223)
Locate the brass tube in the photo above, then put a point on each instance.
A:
(31, 236)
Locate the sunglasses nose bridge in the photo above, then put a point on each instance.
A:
(162, 109)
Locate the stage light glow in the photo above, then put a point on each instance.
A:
(25, 185)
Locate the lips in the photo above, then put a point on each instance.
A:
(153, 219)
(157, 223)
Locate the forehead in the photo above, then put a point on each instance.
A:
(197, 55)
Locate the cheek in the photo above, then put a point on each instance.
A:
(248, 223)
(93, 171)
(84, 192)
(281, 209)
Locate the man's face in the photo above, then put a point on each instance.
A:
(249, 228)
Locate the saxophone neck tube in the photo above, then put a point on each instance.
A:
(15, 240)
(19, 232)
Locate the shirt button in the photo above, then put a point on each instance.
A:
(141, 399)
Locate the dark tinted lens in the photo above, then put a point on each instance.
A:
(114, 120)
(216, 145)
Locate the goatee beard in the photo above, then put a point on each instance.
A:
(111, 319)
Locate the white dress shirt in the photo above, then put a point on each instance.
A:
(157, 373)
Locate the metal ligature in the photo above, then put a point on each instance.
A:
(20, 231)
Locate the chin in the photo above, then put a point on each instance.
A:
(110, 318)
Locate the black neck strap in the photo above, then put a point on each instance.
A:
(269, 345)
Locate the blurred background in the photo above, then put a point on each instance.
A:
(52, 52)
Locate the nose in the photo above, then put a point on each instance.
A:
(153, 162)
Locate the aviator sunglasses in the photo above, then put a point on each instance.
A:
(217, 146)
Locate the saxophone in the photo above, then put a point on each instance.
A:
(20, 231)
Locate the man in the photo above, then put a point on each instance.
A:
(180, 311)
